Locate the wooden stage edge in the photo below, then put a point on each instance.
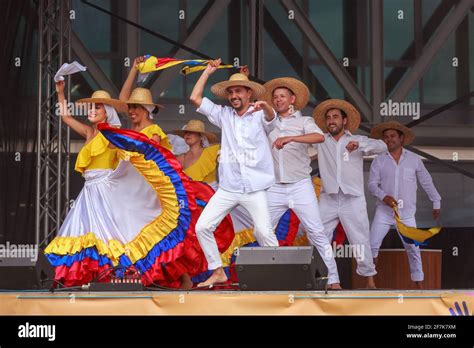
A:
(362, 302)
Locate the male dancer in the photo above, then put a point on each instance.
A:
(294, 189)
(392, 181)
(245, 166)
(340, 160)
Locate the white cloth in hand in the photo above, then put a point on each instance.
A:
(68, 69)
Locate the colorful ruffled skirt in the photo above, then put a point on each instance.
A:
(140, 216)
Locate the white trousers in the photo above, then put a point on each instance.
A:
(351, 211)
(301, 198)
(219, 206)
(383, 220)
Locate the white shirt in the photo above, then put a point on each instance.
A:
(292, 163)
(245, 161)
(399, 181)
(344, 170)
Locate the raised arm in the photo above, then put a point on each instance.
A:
(82, 129)
(198, 90)
(128, 84)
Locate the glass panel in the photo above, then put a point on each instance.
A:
(328, 81)
(193, 8)
(428, 7)
(93, 26)
(439, 81)
(162, 17)
(398, 33)
(327, 18)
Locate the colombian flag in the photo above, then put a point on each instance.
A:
(153, 63)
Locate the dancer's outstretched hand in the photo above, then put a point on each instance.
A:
(212, 66)
(245, 70)
(259, 105)
(138, 60)
(60, 87)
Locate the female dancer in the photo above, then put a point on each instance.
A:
(141, 108)
(140, 213)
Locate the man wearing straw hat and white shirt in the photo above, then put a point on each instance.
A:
(245, 166)
(340, 160)
(392, 181)
(290, 140)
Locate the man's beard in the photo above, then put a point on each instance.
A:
(240, 107)
(336, 131)
(393, 147)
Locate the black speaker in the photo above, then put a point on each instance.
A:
(23, 273)
(280, 268)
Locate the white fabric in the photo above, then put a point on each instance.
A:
(341, 169)
(378, 231)
(204, 141)
(292, 163)
(221, 204)
(351, 211)
(241, 218)
(245, 163)
(301, 198)
(142, 77)
(68, 69)
(178, 143)
(112, 116)
(150, 109)
(400, 181)
(100, 206)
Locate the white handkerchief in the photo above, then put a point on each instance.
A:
(68, 69)
(142, 77)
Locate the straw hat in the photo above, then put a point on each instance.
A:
(298, 88)
(141, 96)
(377, 131)
(103, 97)
(220, 88)
(353, 116)
(197, 127)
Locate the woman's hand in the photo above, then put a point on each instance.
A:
(138, 60)
(60, 87)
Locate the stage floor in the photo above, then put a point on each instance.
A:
(361, 302)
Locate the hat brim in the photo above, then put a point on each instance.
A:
(299, 89)
(210, 136)
(377, 131)
(353, 116)
(131, 101)
(220, 88)
(117, 104)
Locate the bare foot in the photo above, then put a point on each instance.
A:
(218, 276)
(186, 282)
(334, 286)
(371, 283)
(419, 285)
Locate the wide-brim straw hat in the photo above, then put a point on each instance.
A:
(197, 127)
(353, 116)
(220, 88)
(377, 131)
(298, 88)
(103, 97)
(141, 96)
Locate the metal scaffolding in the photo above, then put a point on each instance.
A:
(52, 162)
